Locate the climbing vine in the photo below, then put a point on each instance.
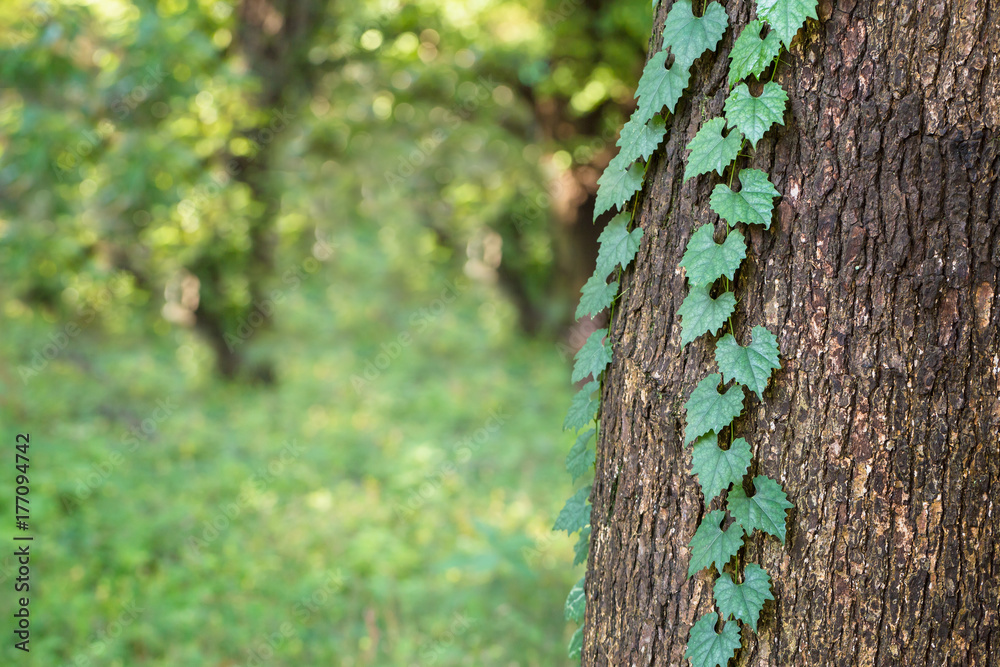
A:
(740, 589)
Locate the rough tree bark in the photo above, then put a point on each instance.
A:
(879, 275)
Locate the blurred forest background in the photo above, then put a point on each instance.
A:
(285, 297)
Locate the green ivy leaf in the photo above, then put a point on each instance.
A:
(752, 205)
(688, 36)
(639, 138)
(718, 468)
(700, 313)
(744, 601)
(705, 260)
(751, 365)
(753, 116)
(597, 295)
(583, 408)
(750, 54)
(576, 513)
(618, 245)
(576, 602)
(582, 547)
(710, 150)
(708, 410)
(711, 544)
(593, 357)
(617, 185)
(660, 87)
(764, 510)
(575, 648)
(707, 648)
(580, 457)
(786, 16)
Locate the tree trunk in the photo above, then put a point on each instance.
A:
(878, 275)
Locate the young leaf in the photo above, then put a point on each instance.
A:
(582, 547)
(580, 457)
(593, 357)
(751, 54)
(583, 408)
(708, 410)
(575, 647)
(751, 205)
(597, 295)
(705, 260)
(688, 36)
(764, 510)
(639, 138)
(753, 116)
(717, 468)
(700, 313)
(707, 648)
(751, 365)
(786, 16)
(576, 602)
(618, 245)
(617, 185)
(710, 150)
(660, 87)
(744, 601)
(711, 544)
(576, 514)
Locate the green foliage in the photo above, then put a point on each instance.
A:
(707, 648)
(711, 150)
(712, 545)
(617, 185)
(596, 295)
(575, 648)
(752, 205)
(576, 602)
(751, 366)
(753, 116)
(593, 357)
(705, 260)
(786, 16)
(708, 410)
(688, 36)
(743, 601)
(765, 510)
(638, 139)
(717, 468)
(750, 54)
(583, 408)
(700, 313)
(582, 547)
(581, 457)
(575, 515)
(618, 245)
(659, 86)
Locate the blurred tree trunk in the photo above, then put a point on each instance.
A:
(879, 275)
(274, 37)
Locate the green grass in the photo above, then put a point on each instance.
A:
(386, 537)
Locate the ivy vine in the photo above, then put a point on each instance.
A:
(740, 590)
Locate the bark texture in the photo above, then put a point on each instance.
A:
(879, 276)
